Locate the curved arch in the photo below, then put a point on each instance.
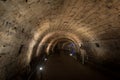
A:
(55, 42)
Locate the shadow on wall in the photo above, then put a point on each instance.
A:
(105, 53)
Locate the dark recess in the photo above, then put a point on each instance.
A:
(4, 46)
(97, 45)
(4, 0)
(26, 0)
(20, 49)
(23, 30)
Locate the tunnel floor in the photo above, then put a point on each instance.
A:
(63, 67)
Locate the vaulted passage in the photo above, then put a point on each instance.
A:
(44, 37)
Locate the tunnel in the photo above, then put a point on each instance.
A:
(59, 39)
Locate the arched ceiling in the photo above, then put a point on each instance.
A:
(27, 22)
(92, 19)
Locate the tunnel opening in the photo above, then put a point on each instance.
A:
(65, 45)
(52, 44)
(32, 32)
(61, 47)
(59, 65)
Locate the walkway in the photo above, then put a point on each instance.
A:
(66, 68)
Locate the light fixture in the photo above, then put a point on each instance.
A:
(41, 68)
(70, 54)
(45, 59)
